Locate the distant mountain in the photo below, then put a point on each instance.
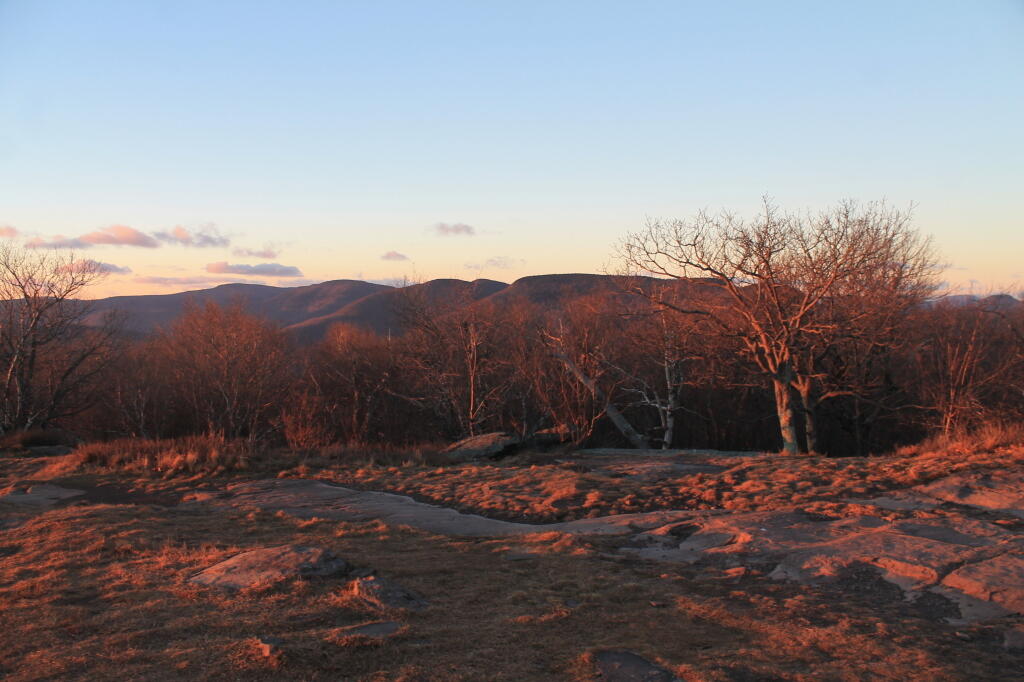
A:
(379, 311)
(309, 311)
(993, 302)
(286, 306)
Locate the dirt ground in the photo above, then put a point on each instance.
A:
(97, 586)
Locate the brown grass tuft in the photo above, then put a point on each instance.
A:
(169, 457)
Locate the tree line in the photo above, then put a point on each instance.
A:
(793, 332)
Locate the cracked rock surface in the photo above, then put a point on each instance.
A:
(959, 538)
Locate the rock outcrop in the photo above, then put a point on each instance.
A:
(270, 565)
(483, 446)
(625, 666)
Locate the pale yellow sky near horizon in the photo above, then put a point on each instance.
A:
(978, 262)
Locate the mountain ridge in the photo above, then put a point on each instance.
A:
(308, 312)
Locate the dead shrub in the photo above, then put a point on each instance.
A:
(305, 428)
(209, 454)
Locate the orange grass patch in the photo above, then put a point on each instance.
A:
(100, 592)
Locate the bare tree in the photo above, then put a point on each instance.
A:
(779, 275)
(580, 342)
(229, 370)
(49, 357)
(350, 379)
(452, 354)
(964, 367)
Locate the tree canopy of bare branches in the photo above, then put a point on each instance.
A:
(48, 356)
(793, 285)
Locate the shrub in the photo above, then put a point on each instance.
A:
(189, 455)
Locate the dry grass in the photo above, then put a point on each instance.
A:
(988, 436)
(169, 457)
(100, 592)
(568, 487)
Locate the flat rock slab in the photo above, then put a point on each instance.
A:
(41, 495)
(999, 580)
(315, 499)
(1000, 491)
(382, 593)
(625, 666)
(270, 565)
(978, 565)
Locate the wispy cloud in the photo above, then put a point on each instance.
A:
(203, 237)
(497, 262)
(8, 232)
(97, 266)
(265, 252)
(454, 229)
(191, 281)
(115, 235)
(123, 235)
(394, 255)
(262, 269)
(58, 242)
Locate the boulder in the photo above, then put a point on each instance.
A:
(381, 593)
(484, 446)
(270, 565)
(625, 666)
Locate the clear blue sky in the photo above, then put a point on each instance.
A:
(337, 132)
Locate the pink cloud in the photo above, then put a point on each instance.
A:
(115, 235)
(120, 235)
(394, 255)
(8, 232)
(263, 269)
(454, 229)
(58, 242)
(206, 236)
(265, 252)
(191, 281)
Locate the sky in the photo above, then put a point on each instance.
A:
(186, 143)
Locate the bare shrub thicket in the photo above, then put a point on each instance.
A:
(815, 333)
(217, 370)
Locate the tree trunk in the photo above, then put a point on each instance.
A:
(620, 421)
(810, 420)
(670, 428)
(784, 409)
(624, 427)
